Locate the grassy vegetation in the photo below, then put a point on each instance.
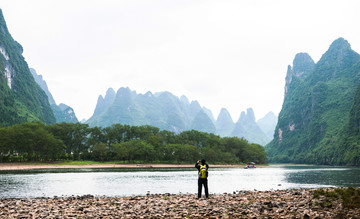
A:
(350, 197)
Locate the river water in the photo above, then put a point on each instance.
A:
(128, 182)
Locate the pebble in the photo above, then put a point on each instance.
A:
(249, 204)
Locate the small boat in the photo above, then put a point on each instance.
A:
(250, 165)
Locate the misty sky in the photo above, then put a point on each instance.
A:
(227, 53)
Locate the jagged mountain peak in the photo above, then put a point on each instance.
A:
(270, 114)
(335, 58)
(303, 65)
(195, 103)
(268, 123)
(203, 123)
(103, 103)
(224, 115)
(124, 96)
(166, 94)
(194, 108)
(339, 45)
(42, 83)
(248, 117)
(100, 99)
(109, 96)
(209, 114)
(123, 91)
(250, 114)
(62, 112)
(338, 49)
(3, 26)
(184, 100)
(247, 127)
(148, 94)
(110, 92)
(63, 106)
(224, 123)
(242, 117)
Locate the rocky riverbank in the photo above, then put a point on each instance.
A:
(243, 204)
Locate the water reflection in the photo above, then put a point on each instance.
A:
(331, 176)
(125, 182)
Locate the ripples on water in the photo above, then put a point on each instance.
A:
(126, 182)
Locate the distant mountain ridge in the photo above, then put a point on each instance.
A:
(316, 124)
(268, 124)
(62, 112)
(168, 112)
(247, 127)
(224, 123)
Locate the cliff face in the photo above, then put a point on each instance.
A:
(349, 137)
(316, 107)
(42, 83)
(303, 65)
(21, 98)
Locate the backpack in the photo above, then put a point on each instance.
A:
(203, 172)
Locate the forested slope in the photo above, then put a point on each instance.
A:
(314, 120)
(21, 99)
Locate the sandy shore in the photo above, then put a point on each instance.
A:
(242, 204)
(29, 166)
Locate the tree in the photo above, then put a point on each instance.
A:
(74, 136)
(136, 150)
(99, 152)
(30, 142)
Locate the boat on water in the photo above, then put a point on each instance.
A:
(250, 165)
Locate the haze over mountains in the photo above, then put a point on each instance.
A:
(62, 112)
(319, 121)
(168, 112)
(26, 98)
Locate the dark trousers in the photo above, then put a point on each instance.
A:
(202, 182)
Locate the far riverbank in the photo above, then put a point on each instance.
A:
(32, 166)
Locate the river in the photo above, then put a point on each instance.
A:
(128, 182)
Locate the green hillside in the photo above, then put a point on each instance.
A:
(312, 125)
(21, 99)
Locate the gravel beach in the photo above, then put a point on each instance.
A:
(298, 203)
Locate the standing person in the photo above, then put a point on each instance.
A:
(203, 174)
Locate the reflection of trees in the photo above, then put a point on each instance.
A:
(324, 176)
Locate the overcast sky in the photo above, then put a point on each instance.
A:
(227, 53)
